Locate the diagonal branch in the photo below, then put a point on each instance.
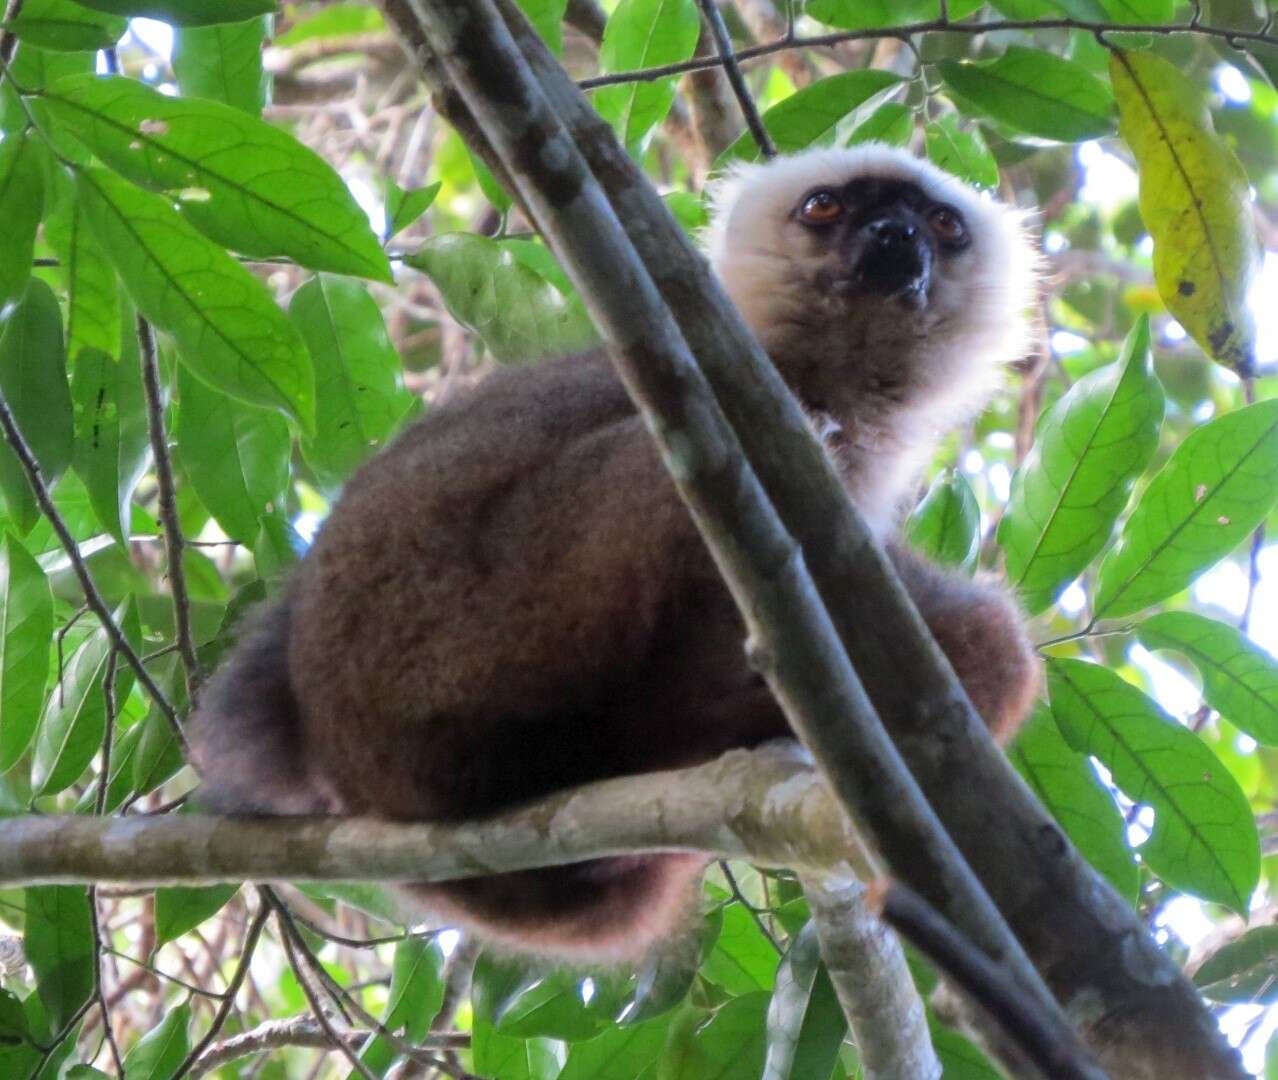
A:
(174, 542)
(26, 458)
(793, 644)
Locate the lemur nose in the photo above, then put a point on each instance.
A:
(888, 232)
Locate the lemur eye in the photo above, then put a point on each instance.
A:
(947, 225)
(820, 208)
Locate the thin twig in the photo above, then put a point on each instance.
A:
(361, 943)
(740, 898)
(169, 520)
(108, 734)
(8, 39)
(1053, 1051)
(189, 987)
(247, 950)
(296, 1031)
(22, 450)
(344, 1000)
(906, 31)
(736, 80)
(96, 927)
(337, 1040)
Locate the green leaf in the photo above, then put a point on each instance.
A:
(112, 445)
(961, 152)
(13, 1020)
(1139, 11)
(405, 207)
(1078, 476)
(547, 17)
(959, 1059)
(236, 456)
(75, 717)
(1243, 972)
(89, 281)
(33, 379)
(22, 196)
(1065, 783)
(1195, 200)
(640, 34)
(1036, 92)
(330, 21)
(891, 123)
(619, 1054)
(228, 329)
(359, 394)
(59, 945)
(250, 186)
(416, 994)
(512, 1059)
(1240, 679)
(1204, 838)
(180, 909)
(742, 959)
(34, 69)
(66, 26)
(862, 14)
(493, 191)
(553, 1008)
(157, 1055)
(26, 626)
(1215, 489)
(185, 12)
(519, 315)
(224, 63)
(811, 116)
(277, 547)
(732, 1044)
(946, 525)
(806, 1024)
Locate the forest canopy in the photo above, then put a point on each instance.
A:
(244, 244)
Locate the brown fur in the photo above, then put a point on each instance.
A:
(512, 600)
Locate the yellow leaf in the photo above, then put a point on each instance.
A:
(1195, 203)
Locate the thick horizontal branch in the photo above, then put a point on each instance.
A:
(1239, 39)
(767, 805)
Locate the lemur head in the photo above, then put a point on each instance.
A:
(890, 294)
(867, 270)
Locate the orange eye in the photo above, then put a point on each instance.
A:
(821, 208)
(947, 225)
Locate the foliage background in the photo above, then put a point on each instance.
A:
(307, 303)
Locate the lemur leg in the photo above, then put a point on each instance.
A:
(982, 632)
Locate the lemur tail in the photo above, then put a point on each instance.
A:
(246, 734)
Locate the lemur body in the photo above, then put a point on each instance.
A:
(511, 599)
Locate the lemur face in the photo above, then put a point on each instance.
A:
(881, 237)
(867, 269)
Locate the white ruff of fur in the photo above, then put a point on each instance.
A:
(895, 379)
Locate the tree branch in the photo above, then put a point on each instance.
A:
(766, 805)
(26, 458)
(874, 986)
(169, 522)
(907, 31)
(980, 980)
